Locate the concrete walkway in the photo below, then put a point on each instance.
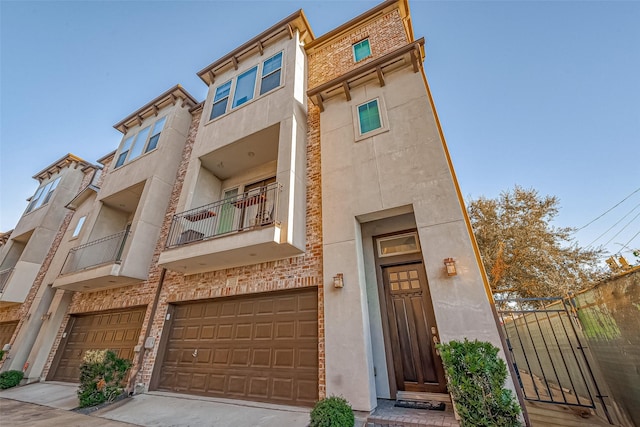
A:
(20, 414)
(155, 409)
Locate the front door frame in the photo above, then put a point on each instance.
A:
(380, 264)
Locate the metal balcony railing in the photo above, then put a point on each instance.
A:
(255, 208)
(102, 251)
(4, 277)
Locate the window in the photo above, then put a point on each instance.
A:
(361, 50)
(369, 117)
(155, 135)
(220, 100)
(398, 245)
(142, 142)
(42, 195)
(79, 225)
(244, 86)
(271, 71)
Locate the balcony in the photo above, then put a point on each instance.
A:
(239, 230)
(96, 265)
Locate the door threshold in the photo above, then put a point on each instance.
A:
(417, 396)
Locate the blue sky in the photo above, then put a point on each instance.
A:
(543, 94)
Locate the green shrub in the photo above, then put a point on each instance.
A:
(10, 379)
(332, 411)
(476, 377)
(102, 376)
(1, 354)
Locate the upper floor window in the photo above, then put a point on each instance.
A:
(361, 50)
(244, 86)
(369, 116)
(76, 231)
(42, 195)
(142, 142)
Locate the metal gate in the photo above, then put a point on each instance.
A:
(547, 352)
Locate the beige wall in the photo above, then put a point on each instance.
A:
(404, 166)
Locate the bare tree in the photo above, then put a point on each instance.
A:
(523, 254)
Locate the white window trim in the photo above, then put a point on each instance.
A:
(144, 151)
(256, 87)
(384, 120)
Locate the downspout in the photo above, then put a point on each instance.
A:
(138, 366)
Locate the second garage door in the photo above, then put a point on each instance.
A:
(6, 332)
(262, 348)
(116, 330)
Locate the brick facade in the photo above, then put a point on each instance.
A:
(335, 57)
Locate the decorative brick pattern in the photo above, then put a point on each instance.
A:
(335, 57)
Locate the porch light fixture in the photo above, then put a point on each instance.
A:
(450, 264)
(338, 280)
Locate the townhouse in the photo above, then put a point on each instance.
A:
(299, 233)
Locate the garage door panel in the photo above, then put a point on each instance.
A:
(256, 347)
(117, 331)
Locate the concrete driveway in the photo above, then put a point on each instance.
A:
(155, 409)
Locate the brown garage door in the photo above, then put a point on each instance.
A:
(6, 332)
(116, 330)
(262, 348)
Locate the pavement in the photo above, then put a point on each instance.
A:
(49, 404)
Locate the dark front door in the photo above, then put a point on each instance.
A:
(412, 329)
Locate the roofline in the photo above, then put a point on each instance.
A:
(204, 74)
(62, 162)
(403, 5)
(152, 106)
(106, 156)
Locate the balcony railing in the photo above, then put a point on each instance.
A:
(4, 277)
(102, 251)
(255, 208)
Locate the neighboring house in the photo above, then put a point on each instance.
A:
(26, 249)
(281, 241)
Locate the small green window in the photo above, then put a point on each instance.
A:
(369, 116)
(361, 50)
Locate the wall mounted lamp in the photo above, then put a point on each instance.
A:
(45, 316)
(338, 280)
(450, 264)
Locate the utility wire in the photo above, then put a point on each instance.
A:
(630, 240)
(622, 229)
(610, 228)
(616, 205)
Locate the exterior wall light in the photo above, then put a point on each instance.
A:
(450, 264)
(338, 280)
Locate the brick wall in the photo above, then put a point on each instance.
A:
(335, 57)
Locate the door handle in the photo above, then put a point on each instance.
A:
(195, 353)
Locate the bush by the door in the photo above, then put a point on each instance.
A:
(332, 411)
(10, 379)
(476, 377)
(102, 377)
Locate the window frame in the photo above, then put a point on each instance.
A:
(382, 114)
(78, 228)
(257, 86)
(130, 142)
(353, 48)
(43, 194)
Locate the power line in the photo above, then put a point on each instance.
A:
(630, 240)
(610, 228)
(609, 210)
(622, 229)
